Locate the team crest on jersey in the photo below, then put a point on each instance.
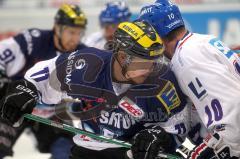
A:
(169, 97)
(79, 64)
(35, 33)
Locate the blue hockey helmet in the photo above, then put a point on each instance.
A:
(114, 13)
(163, 15)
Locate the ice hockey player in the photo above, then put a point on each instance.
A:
(109, 18)
(19, 53)
(137, 56)
(208, 73)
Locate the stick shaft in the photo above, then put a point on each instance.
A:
(75, 130)
(89, 134)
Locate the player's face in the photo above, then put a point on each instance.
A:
(71, 37)
(108, 31)
(139, 69)
(168, 51)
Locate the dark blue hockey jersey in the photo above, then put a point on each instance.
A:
(19, 53)
(87, 75)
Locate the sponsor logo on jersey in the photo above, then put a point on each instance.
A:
(122, 120)
(131, 108)
(169, 97)
(80, 64)
(231, 55)
(117, 120)
(218, 44)
(69, 68)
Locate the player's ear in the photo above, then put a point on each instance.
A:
(56, 29)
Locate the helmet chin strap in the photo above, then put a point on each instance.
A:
(59, 35)
(124, 70)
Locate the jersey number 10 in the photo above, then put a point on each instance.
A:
(214, 109)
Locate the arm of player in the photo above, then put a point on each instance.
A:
(11, 61)
(12, 55)
(214, 90)
(22, 95)
(43, 76)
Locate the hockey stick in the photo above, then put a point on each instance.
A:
(89, 134)
(75, 130)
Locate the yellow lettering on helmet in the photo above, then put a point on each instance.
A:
(131, 29)
(140, 36)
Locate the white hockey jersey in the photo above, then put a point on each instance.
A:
(209, 74)
(96, 40)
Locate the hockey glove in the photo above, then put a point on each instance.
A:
(212, 148)
(149, 142)
(4, 80)
(20, 98)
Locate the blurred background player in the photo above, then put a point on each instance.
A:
(19, 53)
(109, 18)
